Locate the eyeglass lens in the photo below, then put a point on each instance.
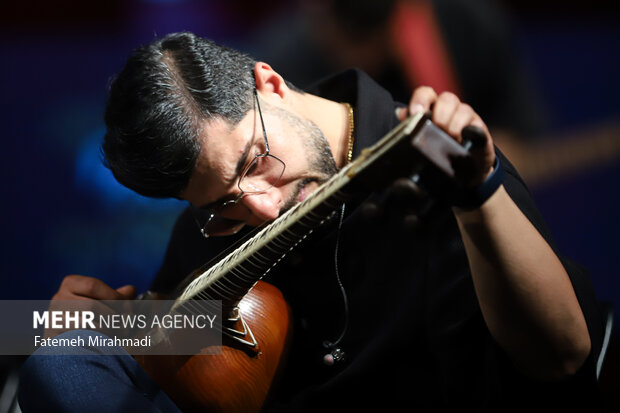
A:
(261, 175)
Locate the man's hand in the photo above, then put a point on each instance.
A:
(81, 293)
(80, 287)
(524, 292)
(404, 201)
(460, 121)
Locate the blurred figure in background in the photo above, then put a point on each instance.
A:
(466, 47)
(456, 45)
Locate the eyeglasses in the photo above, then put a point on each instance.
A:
(257, 177)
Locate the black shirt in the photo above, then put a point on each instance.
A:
(415, 335)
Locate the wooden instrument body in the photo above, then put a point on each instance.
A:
(236, 379)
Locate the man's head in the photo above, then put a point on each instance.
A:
(183, 122)
(157, 106)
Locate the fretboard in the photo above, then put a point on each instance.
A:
(234, 275)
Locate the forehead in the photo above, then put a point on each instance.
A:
(222, 145)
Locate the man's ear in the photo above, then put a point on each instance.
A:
(268, 81)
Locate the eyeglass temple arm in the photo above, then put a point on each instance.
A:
(260, 114)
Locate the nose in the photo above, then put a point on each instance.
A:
(264, 207)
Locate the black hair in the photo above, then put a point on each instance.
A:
(158, 102)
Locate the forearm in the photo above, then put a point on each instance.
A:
(525, 294)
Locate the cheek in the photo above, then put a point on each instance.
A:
(292, 156)
(297, 148)
(237, 212)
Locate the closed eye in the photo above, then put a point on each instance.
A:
(241, 162)
(252, 167)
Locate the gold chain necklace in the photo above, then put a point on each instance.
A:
(351, 137)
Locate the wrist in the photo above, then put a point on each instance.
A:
(472, 198)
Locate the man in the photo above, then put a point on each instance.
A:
(469, 309)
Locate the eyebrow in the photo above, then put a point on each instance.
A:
(243, 159)
(241, 162)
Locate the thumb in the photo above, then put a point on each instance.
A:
(127, 291)
(401, 113)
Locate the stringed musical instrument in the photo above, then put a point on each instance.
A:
(256, 318)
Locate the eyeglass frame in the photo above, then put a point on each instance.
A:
(215, 210)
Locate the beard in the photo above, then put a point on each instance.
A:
(319, 154)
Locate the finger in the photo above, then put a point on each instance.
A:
(127, 291)
(79, 286)
(405, 187)
(401, 113)
(489, 149)
(422, 99)
(463, 116)
(444, 109)
(482, 147)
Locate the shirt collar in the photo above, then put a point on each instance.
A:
(373, 106)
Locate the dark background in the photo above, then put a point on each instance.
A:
(64, 213)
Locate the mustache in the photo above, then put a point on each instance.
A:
(292, 201)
